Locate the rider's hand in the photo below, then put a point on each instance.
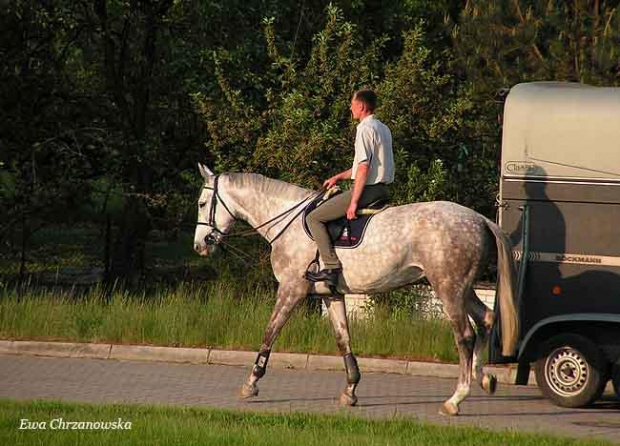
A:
(330, 182)
(352, 211)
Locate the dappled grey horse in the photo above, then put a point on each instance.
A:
(442, 241)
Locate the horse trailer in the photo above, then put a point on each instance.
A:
(560, 203)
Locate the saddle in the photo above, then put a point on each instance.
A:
(345, 233)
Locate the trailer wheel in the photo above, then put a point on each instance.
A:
(571, 372)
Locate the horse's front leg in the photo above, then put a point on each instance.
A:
(288, 296)
(338, 317)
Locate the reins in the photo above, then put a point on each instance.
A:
(221, 239)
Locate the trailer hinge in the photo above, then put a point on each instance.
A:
(500, 204)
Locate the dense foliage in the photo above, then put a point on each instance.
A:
(107, 105)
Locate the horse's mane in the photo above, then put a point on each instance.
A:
(268, 186)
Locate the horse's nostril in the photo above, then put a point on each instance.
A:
(196, 246)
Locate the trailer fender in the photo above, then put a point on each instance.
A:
(576, 322)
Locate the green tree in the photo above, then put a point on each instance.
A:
(502, 43)
(498, 44)
(48, 150)
(90, 106)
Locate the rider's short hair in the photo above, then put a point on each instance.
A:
(368, 97)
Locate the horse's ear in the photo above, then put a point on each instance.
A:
(204, 171)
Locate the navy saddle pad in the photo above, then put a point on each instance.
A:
(345, 233)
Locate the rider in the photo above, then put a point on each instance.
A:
(373, 169)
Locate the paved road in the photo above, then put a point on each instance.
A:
(381, 395)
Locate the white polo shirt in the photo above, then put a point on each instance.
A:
(373, 143)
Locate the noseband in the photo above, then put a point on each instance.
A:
(211, 239)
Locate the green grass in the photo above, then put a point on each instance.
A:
(216, 315)
(184, 426)
(228, 313)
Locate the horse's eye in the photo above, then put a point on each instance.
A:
(201, 205)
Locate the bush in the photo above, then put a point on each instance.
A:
(292, 120)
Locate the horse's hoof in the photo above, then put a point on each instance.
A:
(449, 409)
(249, 391)
(347, 400)
(489, 383)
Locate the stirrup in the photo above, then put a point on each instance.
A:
(314, 264)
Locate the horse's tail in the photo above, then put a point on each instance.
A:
(506, 290)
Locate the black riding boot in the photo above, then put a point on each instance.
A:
(326, 275)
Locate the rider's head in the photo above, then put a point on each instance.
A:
(363, 103)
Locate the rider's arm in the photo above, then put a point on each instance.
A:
(344, 175)
(358, 188)
(330, 182)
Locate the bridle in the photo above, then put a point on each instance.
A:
(216, 236)
(211, 239)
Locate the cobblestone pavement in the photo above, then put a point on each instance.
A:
(380, 395)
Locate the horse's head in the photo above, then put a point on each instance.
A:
(214, 216)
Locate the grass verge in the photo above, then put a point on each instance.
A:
(217, 315)
(186, 426)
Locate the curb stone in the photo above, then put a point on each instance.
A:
(58, 349)
(438, 370)
(165, 354)
(286, 360)
(231, 357)
(297, 361)
(325, 362)
(382, 365)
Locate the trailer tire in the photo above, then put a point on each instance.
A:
(571, 371)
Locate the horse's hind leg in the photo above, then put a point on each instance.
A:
(483, 318)
(290, 293)
(338, 317)
(454, 307)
